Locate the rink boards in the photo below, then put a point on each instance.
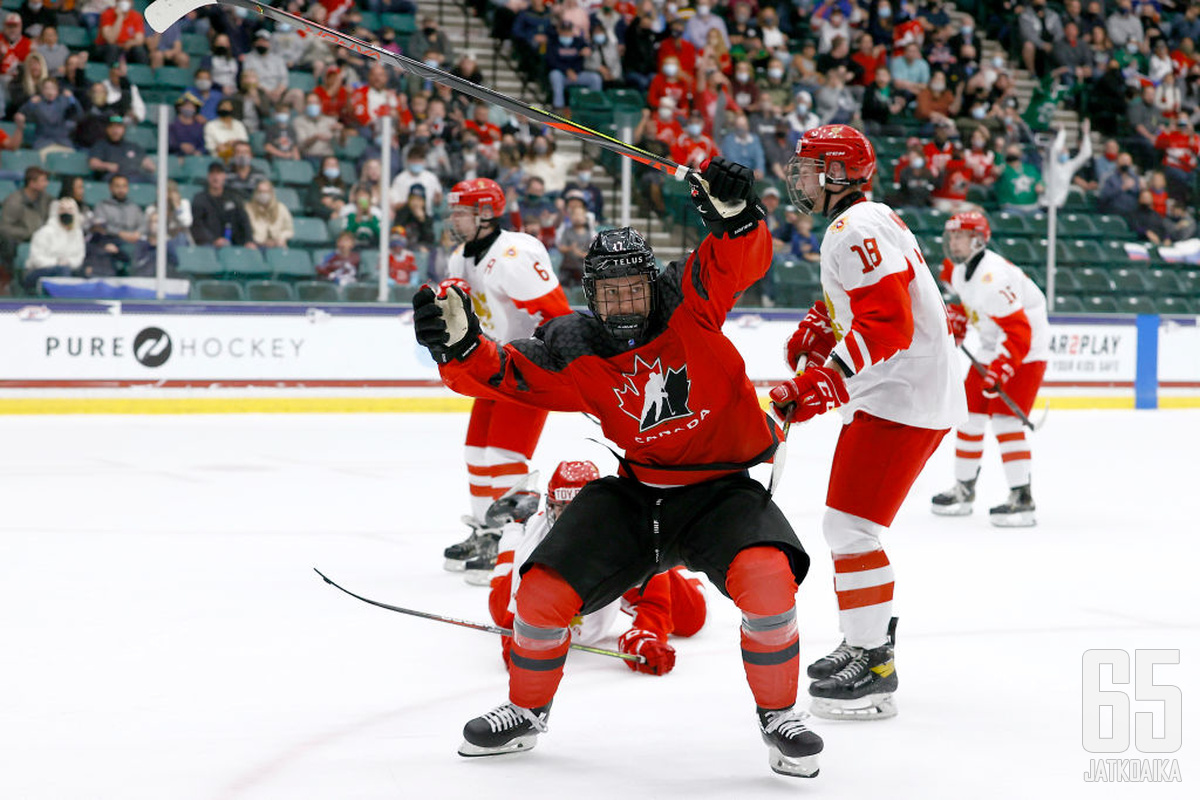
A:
(113, 357)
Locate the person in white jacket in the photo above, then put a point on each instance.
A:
(57, 248)
(1061, 167)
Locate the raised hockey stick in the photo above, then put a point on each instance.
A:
(479, 626)
(162, 14)
(1008, 401)
(781, 452)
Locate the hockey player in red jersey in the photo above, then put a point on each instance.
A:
(513, 288)
(879, 348)
(1009, 311)
(651, 364)
(669, 603)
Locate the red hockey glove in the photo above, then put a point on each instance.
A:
(818, 390)
(998, 374)
(813, 338)
(660, 656)
(956, 315)
(445, 285)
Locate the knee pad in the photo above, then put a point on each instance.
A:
(846, 533)
(760, 581)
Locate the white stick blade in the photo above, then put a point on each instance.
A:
(162, 14)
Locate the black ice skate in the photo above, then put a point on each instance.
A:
(825, 666)
(792, 747)
(863, 689)
(955, 501)
(1017, 511)
(504, 729)
(478, 570)
(457, 555)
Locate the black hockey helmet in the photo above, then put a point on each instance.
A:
(619, 253)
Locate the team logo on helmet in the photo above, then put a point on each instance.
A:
(652, 395)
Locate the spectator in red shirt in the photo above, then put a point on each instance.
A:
(954, 179)
(939, 151)
(1179, 147)
(334, 96)
(14, 49)
(675, 45)
(694, 147)
(979, 158)
(869, 57)
(660, 125)
(743, 89)
(122, 33)
(487, 131)
(673, 82)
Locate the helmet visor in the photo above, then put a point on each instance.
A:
(805, 179)
(464, 223)
(961, 245)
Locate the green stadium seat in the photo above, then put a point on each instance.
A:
(94, 192)
(143, 194)
(1164, 282)
(403, 293)
(1136, 304)
(194, 169)
(67, 164)
(199, 260)
(1174, 305)
(1065, 281)
(1037, 274)
(1131, 281)
(361, 292)
(1113, 253)
(1087, 252)
(1112, 226)
(580, 98)
(1068, 304)
(7, 188)
(243, 262)
(402, 24)
(1091, 281)
(1099, 304)
(1190, 281)
(318, 292)
(74, 37)
(188, 191)
(1075, 226)
(173, 78)
(140, 74)
(290, 262)
(19, 160)
(796, 271)
(371, 20)
(95, 72)
(269, 291)
(368, 264)
(1018, 251)
(304, 81)
(195, 44)
(217, 291)
(353, 149)
(1009, 224)
(288, 196)
(310, 232)
(294, 173)
(145, 138)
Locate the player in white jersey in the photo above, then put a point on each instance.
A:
(670, 603)
(879, 348)
(1009, 311)
(513, 288)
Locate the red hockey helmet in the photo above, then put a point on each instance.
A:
(568, 478)
(482, 194)
(836, 155)
(964, 235)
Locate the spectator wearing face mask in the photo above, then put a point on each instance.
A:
(743, 89)
(373, 100)
(695, 147)
(328, 193)
(429, 39)
(53, 115)
(661, 124)
(937, 102)
(122, 34)
(208, 95)
(572, 239)
(414, 173)
(315, 130)
(581, 184)
(675, 45)
(565, 58)
(671, 82)
(696, 29)
(221, 133)
(543, 160)
(270, 67)
(1124, 26)
(639, 61)
(185, 134)
(605, 57)
(910, 72)
(57, 248)
(742, 146)
(836, 26)
(802, 116)
(271, 222)
(915, 180)
(243, 176)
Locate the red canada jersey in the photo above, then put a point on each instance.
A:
(679, 90)
(692, 151)
(1179, 149)
(11, 55)
(667, 132)
(680, 404)
(333, 105)
(488, 132)
(367, 105)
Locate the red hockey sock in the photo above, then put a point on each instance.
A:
(762, 584)
(545, 605)
(689, 609)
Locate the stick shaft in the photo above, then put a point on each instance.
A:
(483, 93)
(1008, 401)
(465, 623)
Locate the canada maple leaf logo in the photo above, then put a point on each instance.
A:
(652, 395)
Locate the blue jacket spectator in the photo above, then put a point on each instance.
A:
(564, 59)
(532, 23)
(185, 134)
(744, 147)
(208, 95)
(1119, 192)
(53, 116)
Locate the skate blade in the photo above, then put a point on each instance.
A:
(517, 745)
(1022, 519)
(454, 565)
(955, 510)
(477, 577)
(872, 706)
(792, 766)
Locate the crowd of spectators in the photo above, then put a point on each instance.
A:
(739, 78)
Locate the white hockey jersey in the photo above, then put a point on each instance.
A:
(996, 291)
(890, 321)
(513, 286)
(522, 539)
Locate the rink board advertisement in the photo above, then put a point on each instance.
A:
(110, 345)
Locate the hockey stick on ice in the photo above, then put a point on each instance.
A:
(780, 458)
(478, 626)
(162, 14)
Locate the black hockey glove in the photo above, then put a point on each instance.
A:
(724, 195)
(445, 323)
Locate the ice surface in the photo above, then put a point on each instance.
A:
(162, 634)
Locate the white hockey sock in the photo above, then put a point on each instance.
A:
(1014, 449)
(862, 577)
(480, 478)
(968, 447)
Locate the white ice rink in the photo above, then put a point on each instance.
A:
(163, 635)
